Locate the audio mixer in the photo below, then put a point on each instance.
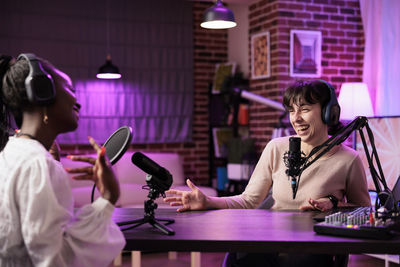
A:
(360, 223)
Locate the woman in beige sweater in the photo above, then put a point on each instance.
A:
(337, 175)
(335, 179)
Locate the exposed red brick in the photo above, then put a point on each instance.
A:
(346, 41)
(330, 71)
(347, 26)
(347, 56)
(336, 33)
(321, 16)
(338, 63)
(313, 8)
(347, 71)
(330, 9)
(329, 25)
(338, 3)
(336, 48)
(339, 79)
(358, 65)
(355, 79)
(313, 24)
(355, 34)
(298, 23)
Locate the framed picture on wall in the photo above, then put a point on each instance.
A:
(260, 56)
(222, 72)
(305, 53)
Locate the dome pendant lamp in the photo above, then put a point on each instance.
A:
(218, 17)
(108, 70)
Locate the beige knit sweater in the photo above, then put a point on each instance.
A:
(339, 172)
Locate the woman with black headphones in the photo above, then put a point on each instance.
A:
(38, 225)
(337, 178)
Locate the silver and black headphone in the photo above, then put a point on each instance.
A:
(39, 84)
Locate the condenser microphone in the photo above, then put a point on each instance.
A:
(293, 161)
(159, 178)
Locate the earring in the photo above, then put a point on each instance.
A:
(45, 117)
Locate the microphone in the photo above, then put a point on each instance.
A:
(293, 161)
(158, 177)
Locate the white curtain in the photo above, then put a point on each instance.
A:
(381, 21)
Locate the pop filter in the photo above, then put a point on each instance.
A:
(116, 145)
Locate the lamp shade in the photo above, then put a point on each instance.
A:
(218, 17)
(108, 70)
(354, 100)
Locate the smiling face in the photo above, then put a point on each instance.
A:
(307, 122)
(304, 101)
(64, 112)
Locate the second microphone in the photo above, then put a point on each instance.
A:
(161, 178)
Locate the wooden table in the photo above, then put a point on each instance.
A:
(251, 230)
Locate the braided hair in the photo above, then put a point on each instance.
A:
(12, 94)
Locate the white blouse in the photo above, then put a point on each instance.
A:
(38, 225)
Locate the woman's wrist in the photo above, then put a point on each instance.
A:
(215, 203)
(333, 200)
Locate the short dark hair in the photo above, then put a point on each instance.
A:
(310, 91)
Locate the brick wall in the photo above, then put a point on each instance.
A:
(342, 55)
(210, 47)
(342, 49)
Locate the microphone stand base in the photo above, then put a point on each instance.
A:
(155, 222)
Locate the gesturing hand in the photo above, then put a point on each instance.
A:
(100, 172)
(322, 204)
(189, 200)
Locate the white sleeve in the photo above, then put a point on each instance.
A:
(53, 235)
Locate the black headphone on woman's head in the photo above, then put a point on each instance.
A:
(331, 111)
(39, 84)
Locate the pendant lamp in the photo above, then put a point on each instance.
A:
(218, 17)
(108, 70)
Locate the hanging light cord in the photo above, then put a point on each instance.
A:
(108, 27)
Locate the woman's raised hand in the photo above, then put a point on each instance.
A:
(100, 172)
(188, 200)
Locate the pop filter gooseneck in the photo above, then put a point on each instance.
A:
(116, 145)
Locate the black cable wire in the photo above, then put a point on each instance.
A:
(93, 189)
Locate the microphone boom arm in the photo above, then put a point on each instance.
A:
(357, 124)
(259, 99)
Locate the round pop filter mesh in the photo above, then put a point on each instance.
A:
(117, 144)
